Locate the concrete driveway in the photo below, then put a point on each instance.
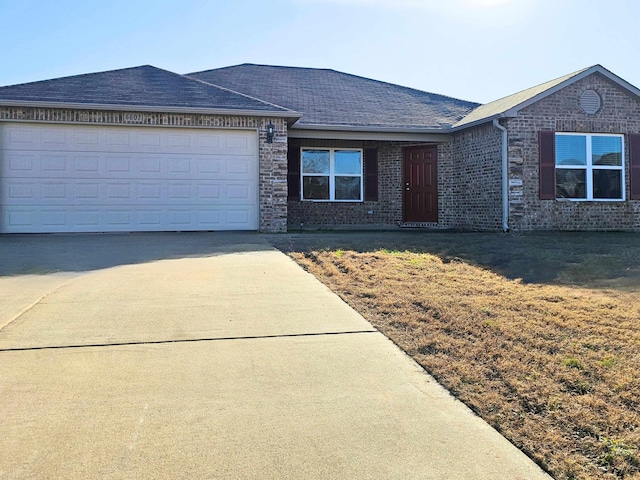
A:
(212, 356)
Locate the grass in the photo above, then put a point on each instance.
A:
(538, 334)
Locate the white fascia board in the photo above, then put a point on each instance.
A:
(152, 109)
(476, 123)
(389, 136)
(359, 128)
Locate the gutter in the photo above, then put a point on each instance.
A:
(505, 176)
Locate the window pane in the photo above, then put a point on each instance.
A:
(606, 150)
(571, 150)
(570, 183)
(315, 188)
(607, 184)
(347, 188)
(347, 162)
(315, 161)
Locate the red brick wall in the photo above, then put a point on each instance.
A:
(561, 112)
(384, 213)
(476, 179)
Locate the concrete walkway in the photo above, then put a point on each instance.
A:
(212, 356)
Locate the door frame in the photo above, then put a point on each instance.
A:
(405, 184)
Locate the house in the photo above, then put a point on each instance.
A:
(268, 148)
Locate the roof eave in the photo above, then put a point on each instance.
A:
(365, 128)
(289, 114)
(332, 132)
(475, 123)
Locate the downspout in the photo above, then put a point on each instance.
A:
(505, 176)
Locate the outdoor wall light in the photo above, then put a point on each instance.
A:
(271, 130)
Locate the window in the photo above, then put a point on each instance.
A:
(589, 166)
(331, 174)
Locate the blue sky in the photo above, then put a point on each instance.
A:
(477, 50)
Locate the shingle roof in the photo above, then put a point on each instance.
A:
(509, 106)
(144, 86)
(327, 98)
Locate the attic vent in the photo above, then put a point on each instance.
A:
(590, 102)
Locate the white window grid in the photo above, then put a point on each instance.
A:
(589, 167)
(332, 175)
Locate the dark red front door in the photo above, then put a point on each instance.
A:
(420, 199)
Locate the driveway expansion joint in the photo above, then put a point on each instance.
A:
(184, 340)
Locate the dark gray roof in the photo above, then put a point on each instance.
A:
(327, 98)
(144, 86)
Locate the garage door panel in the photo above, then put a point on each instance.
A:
(118, 220)
(18, 192)
(118, 166)
(210, 167)
(20, 164)
(113, 140)
(65, 178)
(88, 219)
(87, 192)
(238, 216)
(87, 165)
(89, 139)
(56, 192)
(18, 218)
(54, 164)
(150, 218)
(54, 218)
(119, 193)
(136, 140)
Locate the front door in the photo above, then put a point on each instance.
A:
(420, 199)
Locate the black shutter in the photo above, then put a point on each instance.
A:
(547, 170)
(371, 174)
(634, 166)
(293, 172)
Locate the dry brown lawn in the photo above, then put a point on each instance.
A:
(553, 365)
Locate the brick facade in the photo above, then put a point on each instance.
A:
(384, 213)
(469, 166)
(561, 112)
(272, 156)
(469, 191)
(475, 184)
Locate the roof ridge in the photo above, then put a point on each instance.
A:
(249, 64)
(352, 75)
(209, 84)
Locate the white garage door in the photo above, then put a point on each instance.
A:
(107, 179)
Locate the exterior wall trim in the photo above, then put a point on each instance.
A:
(296, 132)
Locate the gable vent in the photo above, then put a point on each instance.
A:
(590, 102)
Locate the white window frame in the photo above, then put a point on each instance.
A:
(589, 168)
(332, 175)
